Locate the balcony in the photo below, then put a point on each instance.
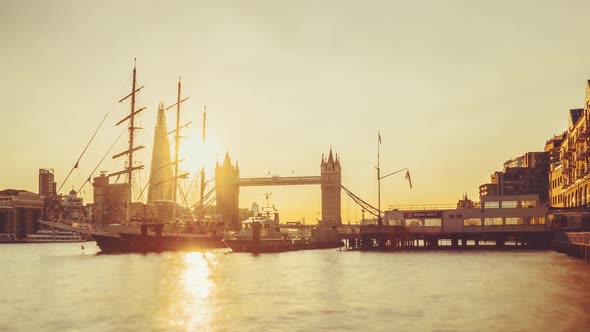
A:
(571, 147)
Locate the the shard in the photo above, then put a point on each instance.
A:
(160, 187)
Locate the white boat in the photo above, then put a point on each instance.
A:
(48, 236)
(263, 233)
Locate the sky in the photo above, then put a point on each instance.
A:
(455, 88)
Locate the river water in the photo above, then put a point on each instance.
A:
(59, 287)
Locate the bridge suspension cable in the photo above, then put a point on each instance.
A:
(366, 206)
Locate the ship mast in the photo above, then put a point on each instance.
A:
(177, 138)
(132, 148)
(202, 185)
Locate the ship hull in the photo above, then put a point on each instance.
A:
(269, 246)
(118, 242)
(134, 243)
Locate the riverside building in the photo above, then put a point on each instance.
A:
(522, 175)
(569, 175)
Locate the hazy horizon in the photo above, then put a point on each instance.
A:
(455, 88)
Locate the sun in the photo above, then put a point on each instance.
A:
(197, 155)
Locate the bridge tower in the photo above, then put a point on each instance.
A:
(331, 188)
(227, 192)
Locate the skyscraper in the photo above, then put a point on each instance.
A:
(160, 187)
(47, 185)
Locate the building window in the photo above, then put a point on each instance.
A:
(394, 221)
(530, 203)
(433, 222)
(472, 222)
(494, 221)
(509, 204)
(414, 222)
(514, 221)
(491, 205)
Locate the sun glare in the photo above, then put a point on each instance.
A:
(196, 286)
(198, 154)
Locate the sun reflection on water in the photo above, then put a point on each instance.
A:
(190, 303)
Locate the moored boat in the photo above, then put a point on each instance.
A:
(263, 234)
(51, 236)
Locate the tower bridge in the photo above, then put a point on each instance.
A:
(276, 180)
(228, 183)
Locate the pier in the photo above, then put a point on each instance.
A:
(516, 221)
(391, 238)
(575, 244)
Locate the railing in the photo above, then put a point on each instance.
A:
(443, 206)
(578, 238)
(459, 229)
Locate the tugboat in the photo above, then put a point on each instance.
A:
(125, 231)
(262, 234)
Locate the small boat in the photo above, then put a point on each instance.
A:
(264, 234)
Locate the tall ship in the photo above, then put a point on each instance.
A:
(120, 225)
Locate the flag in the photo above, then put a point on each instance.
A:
(379, 133)
(76, 166)
(409, 178)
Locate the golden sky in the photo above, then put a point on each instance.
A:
(455, 87)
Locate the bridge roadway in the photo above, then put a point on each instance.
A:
(279, 181)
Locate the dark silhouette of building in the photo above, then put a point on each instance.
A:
(47, 185)
(227, 192)
(331, 183)
(19, 210)
(522, 175)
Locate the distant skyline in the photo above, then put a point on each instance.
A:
(456, 88)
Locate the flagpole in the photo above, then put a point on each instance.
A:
(379, 221)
